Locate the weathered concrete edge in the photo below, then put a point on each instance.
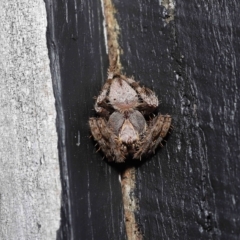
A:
(30, 178)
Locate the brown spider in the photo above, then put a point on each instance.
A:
(122, 130)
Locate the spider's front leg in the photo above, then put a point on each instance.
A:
(156, 131)
(107, 140)
(101, 105)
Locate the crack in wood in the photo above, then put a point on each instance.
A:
(112, 30)
(128, 183)
(128, 178)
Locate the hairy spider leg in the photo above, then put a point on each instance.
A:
(107, 140)
(156, 131)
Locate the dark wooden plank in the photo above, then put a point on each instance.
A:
(92, 206)
(190, 188)
(211, 43)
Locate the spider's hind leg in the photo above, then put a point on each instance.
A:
(156, 131)
(107, 140)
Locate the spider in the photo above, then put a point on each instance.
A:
(121, 130)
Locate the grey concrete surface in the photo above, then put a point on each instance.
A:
(30, 189)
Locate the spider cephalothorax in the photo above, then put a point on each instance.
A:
(122, 129)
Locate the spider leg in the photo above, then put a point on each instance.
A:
(101, 106)
(156, 131)
(107, 140)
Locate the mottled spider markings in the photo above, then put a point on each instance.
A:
(121, 130)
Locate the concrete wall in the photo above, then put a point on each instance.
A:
(30, 189)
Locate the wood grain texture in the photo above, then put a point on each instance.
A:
(190, 189)
(76, 40)
(30, 189)
(188, 53)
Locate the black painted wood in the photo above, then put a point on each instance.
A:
(190, 188)
(75, 37)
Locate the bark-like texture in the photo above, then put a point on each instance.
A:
(190, 189)
(79, 68)
(188, 52)
(30, 190)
